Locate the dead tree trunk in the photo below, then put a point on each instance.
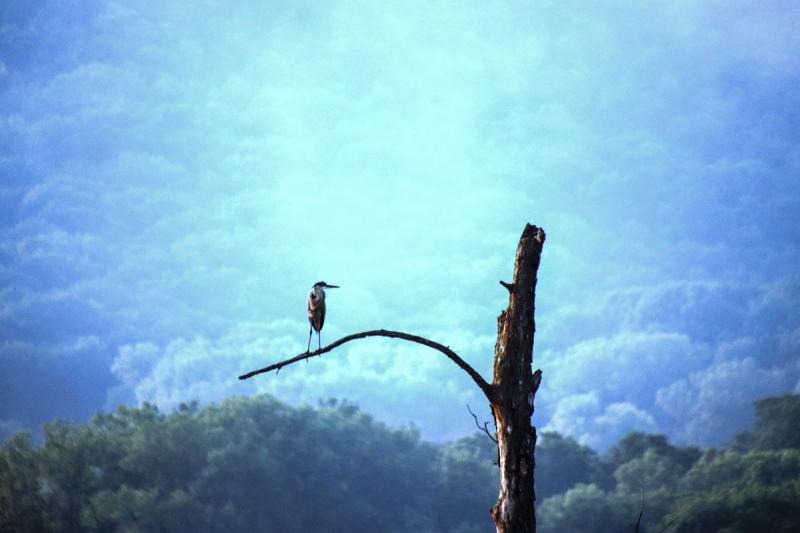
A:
(511, 392)
(514, 387)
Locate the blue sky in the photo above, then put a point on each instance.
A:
(174, 178)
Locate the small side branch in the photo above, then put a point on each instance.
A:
(484, 427)
(509, 286)
(450, 354)
(537, 380)
(638, 523)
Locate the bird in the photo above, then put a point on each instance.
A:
(316, 311)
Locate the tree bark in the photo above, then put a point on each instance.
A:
(514, 387)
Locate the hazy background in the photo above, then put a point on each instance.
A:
(174, 178)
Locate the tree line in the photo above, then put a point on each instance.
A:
(256, 464)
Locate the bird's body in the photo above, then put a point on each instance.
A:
(316, 310)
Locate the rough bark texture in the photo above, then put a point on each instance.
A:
(514, 388)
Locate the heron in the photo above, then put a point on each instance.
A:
(316, 311)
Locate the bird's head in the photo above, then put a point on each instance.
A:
(323, 285)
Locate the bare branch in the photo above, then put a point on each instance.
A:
(483, 428)
(484, 386)
(537, 380)
(509, 286)
(638, 523)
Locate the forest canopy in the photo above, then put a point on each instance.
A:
(257, 464)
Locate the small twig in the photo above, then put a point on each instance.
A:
(638, 521)
(668, 524)
(483, 428)
(641, 504)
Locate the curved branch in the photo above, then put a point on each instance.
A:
(484, 386)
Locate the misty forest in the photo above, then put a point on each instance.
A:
(257, 464)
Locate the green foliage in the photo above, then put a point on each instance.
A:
(745, 508)
(649, 472)
(242, 465)
(742, 441)
(777, 425)
(467, 462)
(729, 469)
(585, 508)
(562, 463)
(634, 445)
(19, 486)
(258, 465)
(752, 486)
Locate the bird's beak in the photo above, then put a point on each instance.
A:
(331, 286)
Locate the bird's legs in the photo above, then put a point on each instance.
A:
(310, 329)
(319, 340)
